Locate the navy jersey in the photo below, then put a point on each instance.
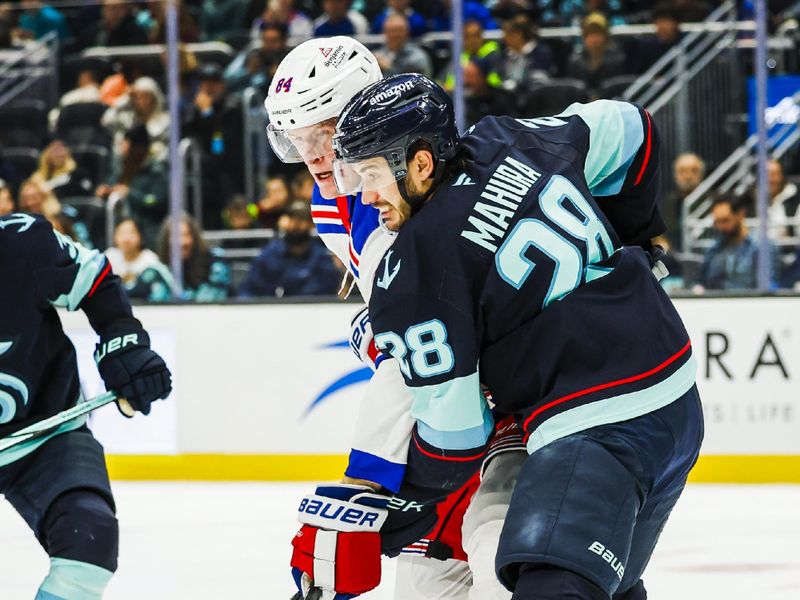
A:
(514, 276)
(41, 269)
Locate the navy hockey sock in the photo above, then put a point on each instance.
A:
(546, 582)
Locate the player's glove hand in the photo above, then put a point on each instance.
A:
(507, 438)
(129, 367)
(338, 548)
(361, 341)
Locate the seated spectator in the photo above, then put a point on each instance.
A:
(732, 262)
(274, 202)
(35, 198)
(187, 76)
(416, 22)
(65, 225)
(688, 170)
(563, 13)
(143, 105)
(472, 11)
(476, 48)
(599, 59)
(215, 122)
(127, 256)
(7, 204)
(338, 19)
(40, 19)
(118, 84)
(59, 172)
(674, 279)
(87, 90)
(398, 54)
(784, 199)
(524, 61)
(205, 277)
(668, 34)
(188, 30)
(296, 264)
(142, 181)
(118, 27)
(303, 186)
(482, 100)
(282, 12)
(255, 65)
(221, 17)
(238, 215)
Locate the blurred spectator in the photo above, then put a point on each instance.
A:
(477, 49)
(239, 215)
(64, 224)
(416, 22)
(7, 205)
(572, 12)
(282, 12)
(59, 172)
(87, 90)
(143, 105)
(524, 61)
(303, 186)
(668, 34)
(35, 198)
(117, 85)
(222, 17)
(215, 122)
(784, 199)
(255, 65)
(118, 27)
(688, 171)
(482, 100)
(338, 19)
(296, 264)
(472, 11)
(187, 73)
(142, 181)
(39, 19)
(127, 256)
(205, 277)
(188, 30)
(600, 59)
(732, 262)
(275, 200)
(398, 54)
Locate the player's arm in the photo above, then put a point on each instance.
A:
(620, 166)
(71, 276)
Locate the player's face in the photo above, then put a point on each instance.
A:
(379, 189)
(313, 144)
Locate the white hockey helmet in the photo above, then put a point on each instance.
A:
(312, 84)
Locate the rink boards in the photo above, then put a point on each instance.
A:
(270, 392)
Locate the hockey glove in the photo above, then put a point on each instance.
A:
(361, 341)
(129, 367)
(338, 549)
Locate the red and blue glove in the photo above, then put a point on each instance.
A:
(338, 549)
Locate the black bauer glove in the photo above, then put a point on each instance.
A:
(129, 367)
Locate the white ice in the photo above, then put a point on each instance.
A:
(199, 541)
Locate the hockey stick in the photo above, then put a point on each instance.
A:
(42, 428)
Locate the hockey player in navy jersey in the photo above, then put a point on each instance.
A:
(307, 93)
(523, 263)
(59, 483)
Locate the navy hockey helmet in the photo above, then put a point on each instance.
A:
(383, 122)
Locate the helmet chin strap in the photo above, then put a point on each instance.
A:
(416, 202)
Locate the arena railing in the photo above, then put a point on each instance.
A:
(30, 69)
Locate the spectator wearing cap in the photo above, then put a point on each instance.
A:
(141, 181)
(7, 205)
(283, 12)
(295, 264)
(416, 22)
(668, 34)
(339, 19)
(215, 121)
(144, 104)
(599, 59)
(117, 27)
(398, 54)
(524, 61)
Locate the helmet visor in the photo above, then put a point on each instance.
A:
(304, 144)
(370, 174)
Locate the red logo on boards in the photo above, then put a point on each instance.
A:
(326, 51)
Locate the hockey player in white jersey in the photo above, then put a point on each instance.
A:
(306, 96)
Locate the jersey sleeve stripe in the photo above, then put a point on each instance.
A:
(100, 279)
(648, 149)
(363, 465)
(418, 444)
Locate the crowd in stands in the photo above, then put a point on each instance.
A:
(105, 141)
